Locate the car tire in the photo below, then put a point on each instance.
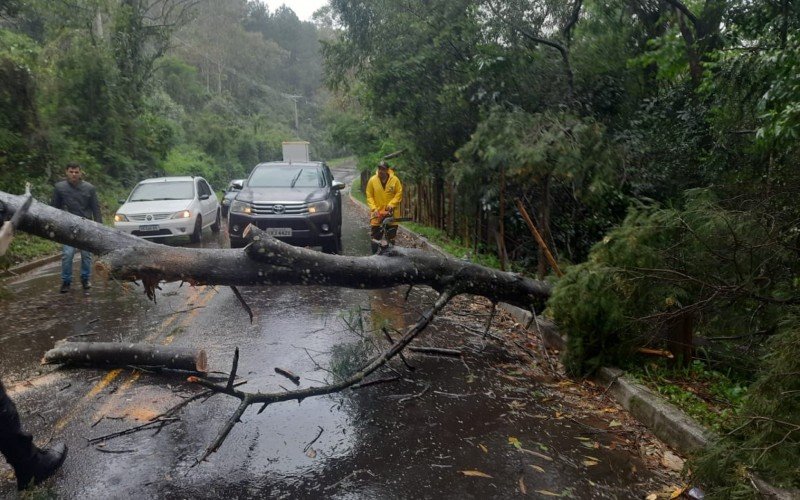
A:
(216, 225)
(238, 243)
(197, 234)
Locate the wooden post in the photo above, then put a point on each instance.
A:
(539, 239)
(501, 243)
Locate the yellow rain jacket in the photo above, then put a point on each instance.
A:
(380, 197)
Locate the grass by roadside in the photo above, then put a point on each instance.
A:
(709, 396)
(26, 247)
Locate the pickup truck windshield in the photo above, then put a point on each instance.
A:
(175, 190)
(286, 176)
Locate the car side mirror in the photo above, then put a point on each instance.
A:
(337, 185)
(237, 185)
(205, 196)
(121, 202)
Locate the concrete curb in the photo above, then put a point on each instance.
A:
(670, 424)
(29, 266)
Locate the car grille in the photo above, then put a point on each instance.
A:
(143, 217)
(272, 208)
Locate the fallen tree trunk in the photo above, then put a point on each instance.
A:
(268, 261)
(107, 354)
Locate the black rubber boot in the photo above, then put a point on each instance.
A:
(64, 287)
(44, 464)
(29, 462)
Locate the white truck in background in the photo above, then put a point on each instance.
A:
(297, 151)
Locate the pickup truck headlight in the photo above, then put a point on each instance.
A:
(241, 207)
(120, 218)
(320, 206)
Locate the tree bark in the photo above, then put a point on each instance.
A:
(267, 261)
(107, 354)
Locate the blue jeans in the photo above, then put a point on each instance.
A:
(67, 254)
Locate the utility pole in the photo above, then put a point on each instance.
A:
(294, 98)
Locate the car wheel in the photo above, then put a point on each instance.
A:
(238, 243)
(197, 234)
(215, 225)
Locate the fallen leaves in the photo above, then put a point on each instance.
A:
(672, 461)
(537, 454)
(475, 473)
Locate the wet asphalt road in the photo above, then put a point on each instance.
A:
(377, 442)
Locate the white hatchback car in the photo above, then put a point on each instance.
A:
(170, 206)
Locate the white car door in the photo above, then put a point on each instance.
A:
(209, 205)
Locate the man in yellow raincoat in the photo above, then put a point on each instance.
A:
(384, 195)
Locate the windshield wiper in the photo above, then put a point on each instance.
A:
(296, 177)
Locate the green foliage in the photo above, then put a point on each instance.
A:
(766, 440)
(704, 259)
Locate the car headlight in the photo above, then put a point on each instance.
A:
(183, 214)
(320, 206)
(241, 207)
(226, 201)
(120, 218)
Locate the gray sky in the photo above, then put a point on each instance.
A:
(303, 8)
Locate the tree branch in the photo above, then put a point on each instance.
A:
(248, 398)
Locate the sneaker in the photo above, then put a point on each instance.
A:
(86, 285)
(44, 464)
(64, 287)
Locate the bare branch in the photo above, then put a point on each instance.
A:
(248, 399)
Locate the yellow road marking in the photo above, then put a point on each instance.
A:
(202, 297)
(94, 391)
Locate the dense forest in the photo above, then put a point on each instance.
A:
(654, 143)
(134, 88)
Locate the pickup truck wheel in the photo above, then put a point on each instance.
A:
(215, 226)
(334, 246)
(238, 243)
(197, 234)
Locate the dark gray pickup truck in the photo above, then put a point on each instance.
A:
(297, 202)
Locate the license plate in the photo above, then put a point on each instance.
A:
(149, 227)
(278, 231)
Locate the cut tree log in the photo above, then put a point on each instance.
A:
(108, 354)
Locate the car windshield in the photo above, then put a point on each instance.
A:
(287, 176)
(172, 190)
